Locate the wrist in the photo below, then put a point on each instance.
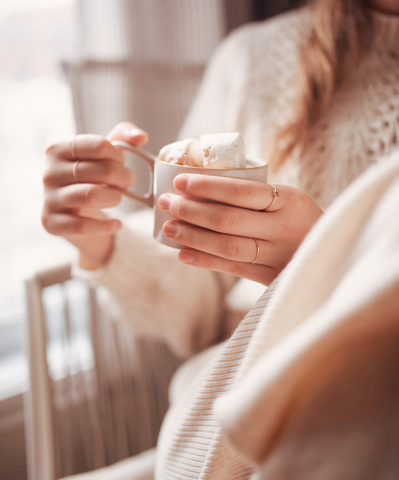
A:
(92, 260)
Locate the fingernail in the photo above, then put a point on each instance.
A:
(170, 229)
(164, 202)
(135, 132)
(186, 257)
(181, 181)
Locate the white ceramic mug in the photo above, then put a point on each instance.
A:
(162, 175)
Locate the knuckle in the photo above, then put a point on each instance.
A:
(105, 170)
(45, 221)
(124, 180)
(206, 262)
(110, 172)
(182, 208)
(48, 177)
(202, 186)
(89, 195)
(46, 208)
(230, 248)
(81, 227)
(116, 197)
(108, 228)
(48, 224)
(225, 218)
(236, 269)
(98, 144)
(299, 198)
(121, 125)
(242, 190)
(51, 149)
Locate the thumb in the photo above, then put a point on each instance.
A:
(129, 133)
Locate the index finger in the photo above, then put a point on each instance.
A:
(86, 147)
(233, 191)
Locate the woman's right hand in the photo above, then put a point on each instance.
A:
(73, 209)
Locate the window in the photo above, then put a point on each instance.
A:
(36, 109)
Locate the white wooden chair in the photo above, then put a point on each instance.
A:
(84, 414)
(97, 394)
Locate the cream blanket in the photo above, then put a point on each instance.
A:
(314, 392)
(317, 392)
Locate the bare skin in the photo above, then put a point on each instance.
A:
(220, 238)
(73, 210)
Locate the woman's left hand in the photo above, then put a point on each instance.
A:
(222, 237)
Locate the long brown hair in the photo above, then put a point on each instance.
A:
(341, 32)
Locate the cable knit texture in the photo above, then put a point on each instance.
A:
(249, 87)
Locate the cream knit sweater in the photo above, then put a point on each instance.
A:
(248, 87)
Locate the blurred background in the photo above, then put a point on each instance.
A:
(80, 66)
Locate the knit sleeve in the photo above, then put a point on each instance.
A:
(160, 297)
(151, 290)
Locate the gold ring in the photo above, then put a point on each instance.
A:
(275, 195)
(75, 171)
(257, 251)
(72, 147)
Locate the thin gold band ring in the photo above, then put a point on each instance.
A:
(75, 165)
(75, 171)
(257, 251)
(72, 147)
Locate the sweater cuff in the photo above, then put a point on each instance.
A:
(87, 275)
(130, 247)
(156, 294)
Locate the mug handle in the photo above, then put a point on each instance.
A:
(148, 198)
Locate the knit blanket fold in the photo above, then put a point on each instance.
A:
(333, 315)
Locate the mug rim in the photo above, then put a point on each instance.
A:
(250, 159)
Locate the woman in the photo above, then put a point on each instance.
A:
(318, 139)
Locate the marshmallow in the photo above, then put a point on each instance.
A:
(223, 150)
(185, 152)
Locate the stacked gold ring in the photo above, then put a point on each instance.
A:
(257, 251)
(75, 165)
(275, 195)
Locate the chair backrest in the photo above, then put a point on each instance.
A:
(97, 393)
(38, 417)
